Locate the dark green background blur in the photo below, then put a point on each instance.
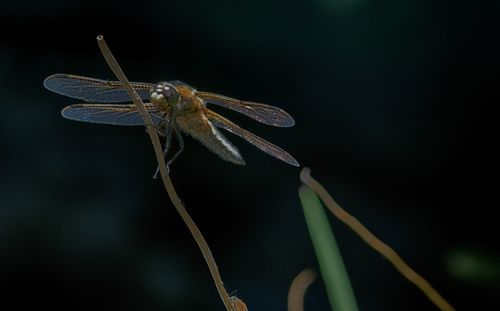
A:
(392, 102)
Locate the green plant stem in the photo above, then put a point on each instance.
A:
(332, 267)
(382, 248)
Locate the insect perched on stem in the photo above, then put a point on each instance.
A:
(174, 107)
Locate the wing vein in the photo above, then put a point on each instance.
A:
(263, 113)
(93, 90)
(269, 148)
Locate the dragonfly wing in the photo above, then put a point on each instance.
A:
(110, 114)
(263, 113)
(93, 90)
(275, 151)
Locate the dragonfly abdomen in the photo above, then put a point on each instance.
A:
(198, 126)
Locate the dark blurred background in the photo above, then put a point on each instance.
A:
(393, 108)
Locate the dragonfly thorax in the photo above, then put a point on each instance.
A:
(165, 94)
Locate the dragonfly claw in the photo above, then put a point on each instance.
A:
(155, 175)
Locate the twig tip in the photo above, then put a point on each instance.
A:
(305, 174)
(311, 273)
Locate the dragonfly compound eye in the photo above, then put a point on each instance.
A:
(165, 91)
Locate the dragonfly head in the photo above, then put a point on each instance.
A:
(165, 94)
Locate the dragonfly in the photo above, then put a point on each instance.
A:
(175, 108)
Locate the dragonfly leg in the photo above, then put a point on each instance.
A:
(160, 124)
(168, 141)
(166, 130)
(160, 127)
(181, 144)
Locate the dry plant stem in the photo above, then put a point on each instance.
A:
(298, 289)
(238, 304)
(202, 244)
(384, 249)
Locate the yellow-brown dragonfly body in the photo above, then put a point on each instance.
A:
(174, 106)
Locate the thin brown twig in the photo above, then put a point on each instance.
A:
(167, 182)
(238, 304)
(298, 289)
(384, 249)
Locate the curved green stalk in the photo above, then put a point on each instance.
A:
(338, 286)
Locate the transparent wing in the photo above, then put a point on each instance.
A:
(263, 113)
(275, 151)
(93, 90)
(110, 114)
